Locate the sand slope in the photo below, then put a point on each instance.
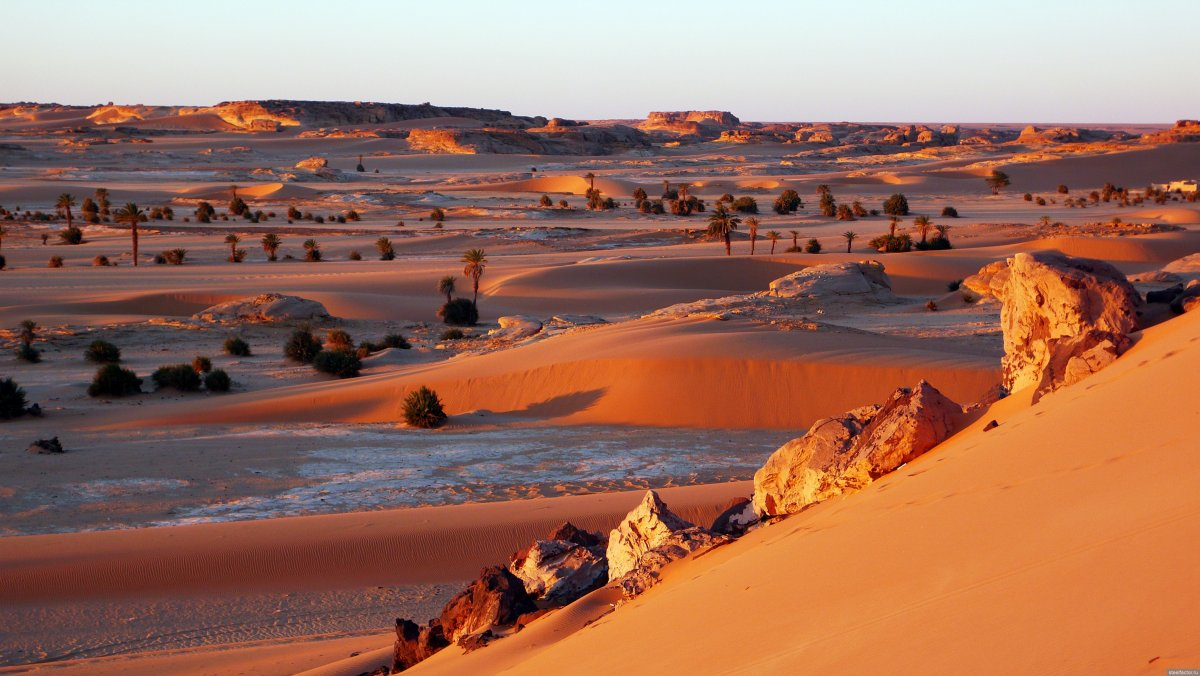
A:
(1062, 541)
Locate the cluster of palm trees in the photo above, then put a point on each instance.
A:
(474, 263)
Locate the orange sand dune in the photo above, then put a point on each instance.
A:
(1165, 214)
(571, 185)
(274, 191)
(1131, 169)
(1063, 541)
(645, 372)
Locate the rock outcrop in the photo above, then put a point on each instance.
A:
(516, 327)
(496, 599)
(266, 307)
(736, 519)
(865, 278)
(1184, 131)
(415, 643)
(845, 453)
(581, 140)
(563, 567)
(1062, 319)
(648, 570)
(648, 526)
(704, 124)
(49, 446)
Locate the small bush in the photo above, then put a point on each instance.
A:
(175, 256)
(101, 261)
(55, 262)
(437, 215)
(237, 347)
(102, 352)
(72, 235)
(954, 285)
(395, 340)
(355, 256)
(113, 381)
(342, 364)
(179, 376)
(339, 340)
(892, 244)
(949, 212)
(813, 247)
(302, 345)
(896, 205)
(201, 364)
(423, 409)
(217, 380)
(459, 312)
(452, 334)
(745, 205)
(12, 399)
(28, 353)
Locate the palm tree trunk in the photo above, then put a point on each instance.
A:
(68, 217)
(475, 297)
(134, 230)
(752, 238)
(727, 244)
(848, 243)
(772, 247)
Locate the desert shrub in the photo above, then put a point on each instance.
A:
(858, 209)
(179, 376)
(353, 215)
(101, 261)
(788, 202)
(237, 256)
(459, 312)
(746, 205)
(175, 256)
(386, 251)
(395, 340)
(201, 364)
(423, 408)
(237, 347)
(1028, 197)
(55, 262)
(954, 285)
(312, 250)
(217, 380)
(113, 381)
(828, 205)
(813, 246)
(452, 334)
(302, 345)
(12, 399)
(896, 205)
(892, 243)
(3, 262)
(437, 214)
(845, 213)
(949, 212)
(1062, 189)
(102, 352)
(338, 339)
(934, 244)
(29, 353)
(546, 201)
(1041, 201)
(563, 204)
(343, 364)
(355, 256)
(71, 235)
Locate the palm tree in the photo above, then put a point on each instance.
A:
(850, 236)
(892, 226)
(445, 286)
(28, 332)
(942, 230)
(65, 202)
(752, 223)
(233, 240)
(312, 250)
(591, 179)
(131, 214)
(721, 223)
(923, 226)
(475, 261)
(102, 200)
(271, 244)
(795, 236)
(774, 237)
(1044, 220)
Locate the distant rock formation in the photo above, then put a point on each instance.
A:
(1032, 135)
(266, 307)
(1063, 318)
(845, 453)
(567, 140)
(1184, 131)
(700, 124)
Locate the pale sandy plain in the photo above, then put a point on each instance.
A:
(283, 526)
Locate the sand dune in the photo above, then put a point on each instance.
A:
(1063, 539)
(571, 185)
(275, 191)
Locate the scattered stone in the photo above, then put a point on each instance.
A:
(563, 567)
(46, 446)
(991, 426)
(266, 307)
(648, 526)
(578, 320)
(737, 518)
(844, 454)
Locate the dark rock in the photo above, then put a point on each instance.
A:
(496, 599)
(35, 411)
(472, 642)
(738, 516)
(1164, 295)
(991, 426)
(46, 446)
(415, 643)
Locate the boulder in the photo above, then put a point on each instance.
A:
(312, 163)
(1164, 295)
(864, 279)
(736, 519)
(578, 320)
(845, 453)
(649, 525)
(563, 567)
(415, 643)
(981, 282)
(1049, 302)
(46, 446)
(648, 570)
(266, 307)
(516, 327)
(496, 599)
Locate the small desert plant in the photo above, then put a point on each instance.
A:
(343, 364)
(12, 399)
(452, 334)
(745, 205)
(997, 180)
(395, 340)
(312, 250)
(302, 345)
(896, 205)
(546, 201)
(101, 261)
(237, 347)
(179, 376)
(201, 364)
(271, 242)
(437, 215)
(949, 212)
(788, 202)
(386, 251)
(27, 333)
(338, 339)
(3, 262)
(102, 352)
(55, 262)
(71, 235)
(423, 409)
(813, 246)
(954, 285)
(217, 380)
(354, 256)
(28, 353)
(460, 312)
(175, 256)
(113, 381)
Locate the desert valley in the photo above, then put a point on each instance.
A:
(355, 388)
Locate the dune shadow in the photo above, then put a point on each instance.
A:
(562, 405)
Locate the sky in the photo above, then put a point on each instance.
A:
(855, 60)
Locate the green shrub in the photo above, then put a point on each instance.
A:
(217, 380)
(813, 246)
(954, 285)
(892, 244)
(452, 334)
(113, 381)
(101, 261)
(71, 235)
(175, 256)
(102, 352)
(302, 345)
(3, 262)
(340, 340)
(459, 312)
(745, 205)
(342, 364)
(949, 212)
(355, 256)
(55, 262)
(28, 353)
(201, 364)
(423, 409)
(896, 205)
(12, 399)
(395, 340)
(788, 202)
(237, 347)
(179, 376)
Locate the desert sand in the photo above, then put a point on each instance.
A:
(284, 525)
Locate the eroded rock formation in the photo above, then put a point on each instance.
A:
(865, 278)
(266, 307)
(565, 566)
(649, 525)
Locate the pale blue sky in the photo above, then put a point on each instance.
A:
(865, 60)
